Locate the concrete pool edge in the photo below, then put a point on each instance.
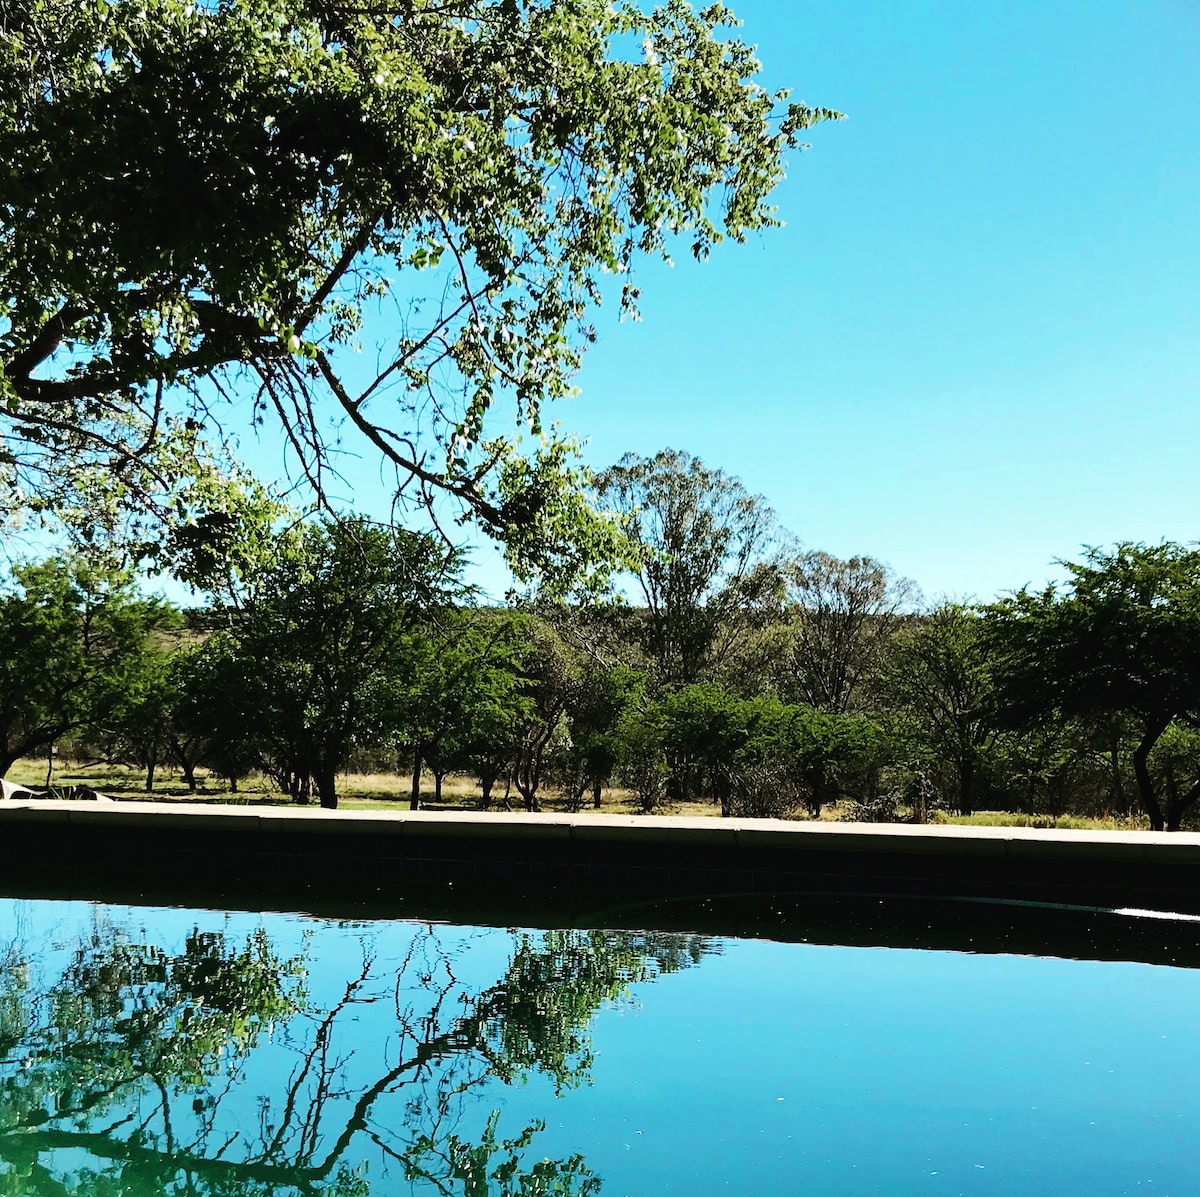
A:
(642, 857)
(938, 838)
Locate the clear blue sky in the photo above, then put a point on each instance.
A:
(975, 346)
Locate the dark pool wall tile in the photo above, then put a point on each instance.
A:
(342, 854)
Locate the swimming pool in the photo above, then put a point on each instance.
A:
(151, 1050)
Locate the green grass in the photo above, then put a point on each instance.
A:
(1000, 818)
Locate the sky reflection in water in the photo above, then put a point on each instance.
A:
(191, 1052)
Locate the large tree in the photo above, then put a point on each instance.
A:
(453, 698)
(1121, 639)
(840, 618)
(596, 703)
(550, 674)
(704, 545)
(74, 640)
(318, 638)
(202, 200)
(938, 682)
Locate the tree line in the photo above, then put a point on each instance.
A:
(739, 669)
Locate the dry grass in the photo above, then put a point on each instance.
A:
(390, 791)
(362, 791)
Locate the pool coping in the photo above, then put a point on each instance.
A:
(943, 839)
(746, 877)
(643, 853)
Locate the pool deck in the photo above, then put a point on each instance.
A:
(379, 855)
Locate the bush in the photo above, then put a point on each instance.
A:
(877, 808)
(759, 792)
(643, 764)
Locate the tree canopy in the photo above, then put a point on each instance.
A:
(703, 542)
(72, 641)
(1123, 639)
(938, 681)
(318, 637)
(204, 201)
(842, 616)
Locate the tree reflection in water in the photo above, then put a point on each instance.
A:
(212, 1070)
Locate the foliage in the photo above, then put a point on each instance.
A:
(127, 1017)
(1124, 639)
(595, 706)
(1051, 766)
(213, 711)
(787, 755)
(319, 634)
(1075, 702)
(759, 757)
(937, 681)
(549, 673)
(822, 754)
(703, 571)
(1174, 766)
(204, 201)
(881, 807)
(456, 695)
(537, 1015)
(697, 730)
(841, 617)
(642, 762)
(73, 645)
(137, 728)
(475, 1165)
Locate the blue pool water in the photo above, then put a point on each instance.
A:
(152, 1051)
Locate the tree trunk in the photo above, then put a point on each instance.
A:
(527, 786)
(50, 766)
(1179, 806)
(1118, 800)
(149, 775)
(597, 789)
(414, 801)
(528, 773)
(186, 759)
(326, 780)
(485, 791)
(966, 786)
(1142, 772)
(233, 785)
(577, 792)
